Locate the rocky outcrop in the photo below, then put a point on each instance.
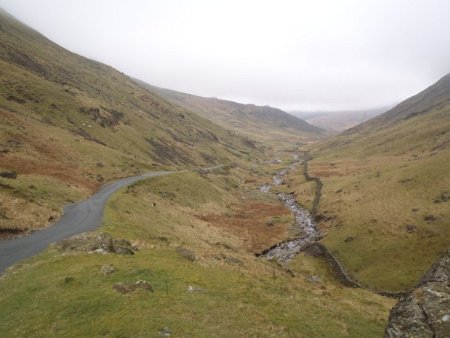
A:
(97, 243)
(130, 287)
(425, 311)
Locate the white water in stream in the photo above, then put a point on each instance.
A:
(304, 223)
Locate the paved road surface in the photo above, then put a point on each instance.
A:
(78, 217)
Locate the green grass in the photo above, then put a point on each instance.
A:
(235, 303)
(376, 182)
(65, 294)
(67, 114)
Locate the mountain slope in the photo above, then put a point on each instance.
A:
(434, 97)
(260, 122)
(386, 190)
(68, 124)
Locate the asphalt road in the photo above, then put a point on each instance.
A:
(78, 217)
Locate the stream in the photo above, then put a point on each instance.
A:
(304, 222)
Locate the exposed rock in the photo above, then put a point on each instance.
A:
(278, 178)
(97, 243)
(165, 332)
(187, 253)
(338, 191)
(304, 223)
(314, 250)
(411, 228)
(143, 285)
(8, 174)
(107, 269)
(313, 279)
(265, 188)
(444, 197)
(130, 287)
(123, 247)
(192, 289)
(348, 239)
(430, 218)
(425, 312)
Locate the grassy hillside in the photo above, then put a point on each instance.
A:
(206, 280)
(69, 124)
(386, 190)
(263, 123)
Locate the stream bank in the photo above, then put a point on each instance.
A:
(308, 241)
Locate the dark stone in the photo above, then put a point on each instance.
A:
(349, 239)
(314, 250)
(444, 197)
(322, 217)
(338, 191)
(8, 174)
(411, 228)
(430, 218)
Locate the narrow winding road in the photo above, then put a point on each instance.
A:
(78, 217)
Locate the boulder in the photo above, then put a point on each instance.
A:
(424, 312)
(165, 332)
(97, 243)
(8, 174)
(107, 269)
(410, 228)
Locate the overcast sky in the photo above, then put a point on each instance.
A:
(295, 55)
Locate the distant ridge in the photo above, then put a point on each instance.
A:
(250, 119)
(434, 97)
(338, 121)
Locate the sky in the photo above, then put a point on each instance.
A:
(294, 55)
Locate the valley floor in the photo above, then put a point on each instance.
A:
(196, 234)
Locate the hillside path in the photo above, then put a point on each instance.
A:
(77, 218)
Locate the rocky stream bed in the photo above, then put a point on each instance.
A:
(421, 312)
(304, 222)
